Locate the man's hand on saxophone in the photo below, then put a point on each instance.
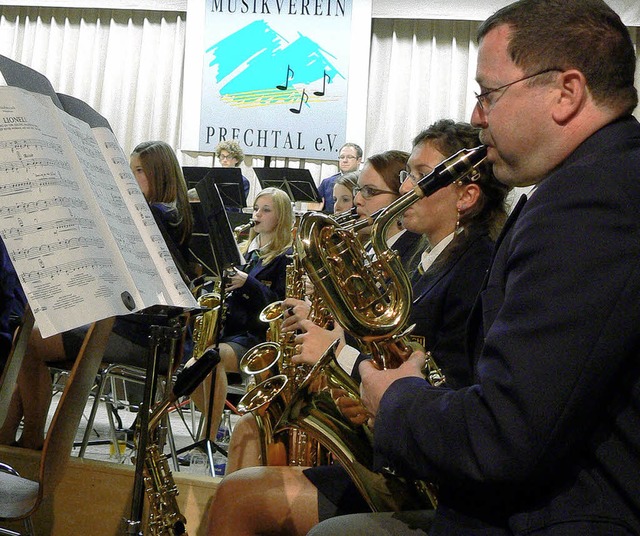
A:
(294, 312)
(375, 382)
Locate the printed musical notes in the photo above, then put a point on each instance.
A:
(304, 98)
(287, 78)
(325, 78)
(74, 221)
(304, 95)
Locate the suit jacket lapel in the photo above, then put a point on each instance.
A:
(474, 324)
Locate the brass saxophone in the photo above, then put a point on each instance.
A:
(241, 229)
(371, 301)
(205, 325)
(164, 517)
(267, 400)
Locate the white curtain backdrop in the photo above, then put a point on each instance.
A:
(128, 66)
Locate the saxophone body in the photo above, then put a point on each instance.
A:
(371, 300)
(270, 396)
(164, 517)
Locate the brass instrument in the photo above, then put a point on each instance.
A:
(241, 229)
(164, 517)
(267, 399)
(205, 325)
(371, 301)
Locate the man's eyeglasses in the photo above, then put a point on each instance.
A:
(485, 103)
(225, 157)
(347, 157)
(369, 191)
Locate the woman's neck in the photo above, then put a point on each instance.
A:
(264, 239)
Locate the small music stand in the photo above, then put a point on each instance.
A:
(298, 183)
(226, 255)
(230, 186)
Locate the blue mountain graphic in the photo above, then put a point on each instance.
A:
(261, 58)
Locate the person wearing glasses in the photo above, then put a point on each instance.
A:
(349, 159)
(461, 222)
(378, 186)
(547, 438)
(230, 154)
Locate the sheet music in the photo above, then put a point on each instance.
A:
(67, 227)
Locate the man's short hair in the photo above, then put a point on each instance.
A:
(586, 35)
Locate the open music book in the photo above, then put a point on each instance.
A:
(75, 223)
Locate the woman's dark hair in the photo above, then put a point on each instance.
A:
(166, 181)
(489, 212)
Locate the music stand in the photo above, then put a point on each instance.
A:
(194, 174)
(230, 186)
(226, 255)
(298, 183)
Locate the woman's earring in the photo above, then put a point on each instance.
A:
(458, 229)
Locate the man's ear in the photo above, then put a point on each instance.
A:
(572, 86)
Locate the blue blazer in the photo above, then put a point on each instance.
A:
(264, 285)
(409, 247)
(442, 301)
(547, 439)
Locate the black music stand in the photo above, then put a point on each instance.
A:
(226, 256)
(194, 174)
(230, 186)
(298, 183)
(165, 332)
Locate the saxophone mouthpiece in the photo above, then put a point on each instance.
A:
(454, 168)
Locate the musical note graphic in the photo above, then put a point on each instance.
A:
(325, 78)
(289, 77)
(304, 98)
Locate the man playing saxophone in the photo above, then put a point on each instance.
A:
(459, 222)
(546, 439)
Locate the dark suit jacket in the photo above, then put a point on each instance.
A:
(547, 440)
(264, 285)
(409, 247)
(442, 301)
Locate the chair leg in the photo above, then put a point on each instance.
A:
(28, 527)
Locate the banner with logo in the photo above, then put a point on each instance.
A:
(276, 75)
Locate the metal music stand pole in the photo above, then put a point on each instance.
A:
(172, 332)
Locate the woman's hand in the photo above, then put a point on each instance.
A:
(351, 408)
(294, 312)
(314, 342)
(237, 280)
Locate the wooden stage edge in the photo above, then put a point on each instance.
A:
(94, 497)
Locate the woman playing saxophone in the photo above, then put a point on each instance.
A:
(460, 221)
(261, 281)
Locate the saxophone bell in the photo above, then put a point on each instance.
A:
(260, 360)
